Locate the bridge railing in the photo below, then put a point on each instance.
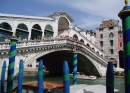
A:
(88, 41)
(6, 45)
(21, 44)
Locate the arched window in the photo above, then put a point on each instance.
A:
(22, 31)
(6, 26)
(93, 49)
(88, 46)
(36, 32)
(48, 32)
(82, 40)
(5, 31)
(97, 52)
(75, 37)
(111, 35)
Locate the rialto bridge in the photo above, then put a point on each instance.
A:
(52, 39)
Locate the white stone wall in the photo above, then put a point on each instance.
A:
(86, 41)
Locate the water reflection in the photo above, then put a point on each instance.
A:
(118, 82)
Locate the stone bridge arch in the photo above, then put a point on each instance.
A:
(40, 54)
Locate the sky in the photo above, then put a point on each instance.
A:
(88, 14)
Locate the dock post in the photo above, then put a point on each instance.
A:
(3, 76)
(20, 76)
(40, 77)
(12, 55)
(110, 78)
(75, 67)
(124, 14)
(66, 80)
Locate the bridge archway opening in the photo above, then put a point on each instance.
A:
(5, 31)
(54, 63)
(75, 37)
(36, 32)
(48, 32)
(22, 31)
(63, 27)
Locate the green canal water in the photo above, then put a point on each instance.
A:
(118, 82)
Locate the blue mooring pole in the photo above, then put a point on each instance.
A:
(20, 76)
(3, 76)
(110, 78)
(40, 77)
(66, 80)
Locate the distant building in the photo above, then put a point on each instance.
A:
(109, 39)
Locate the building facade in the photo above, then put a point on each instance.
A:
(110, 40)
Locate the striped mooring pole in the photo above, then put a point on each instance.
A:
(40, 77)
(110, 78)
(3, 77)
(12, 55)
(66, 80)
(75, 67)
(20, 76)
(124, 14)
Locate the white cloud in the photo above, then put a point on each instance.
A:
(89, 22)
(107, 9)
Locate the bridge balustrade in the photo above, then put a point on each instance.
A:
(20, 44)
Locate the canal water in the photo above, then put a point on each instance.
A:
(118, 82)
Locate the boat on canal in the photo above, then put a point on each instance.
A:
(49, 87)
(81, 75)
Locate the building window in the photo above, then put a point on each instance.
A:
(101, 35)
(121, 44)
(110, 28)
(111, 35)
(111, 43)
(120, 35)
(101, 44)
(100, 29)
(111, 51)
